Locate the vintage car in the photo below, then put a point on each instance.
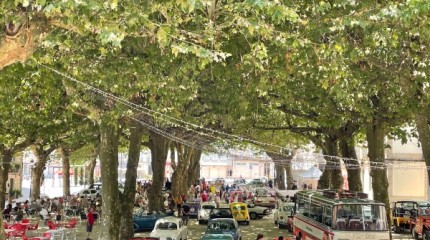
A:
(143, 221)
(240, 212)
(224, 226)
(217, 237)
(204, 211)
(420, 225)
(220, 213)
(265, 198)
(403, 214)
(194, 204)
(258, 212)
(170, 228)
(284, 215)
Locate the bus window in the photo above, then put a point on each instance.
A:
(360, 217)
(307, 208)
(316, 213)
(327, 216)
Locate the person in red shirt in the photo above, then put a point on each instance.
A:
(90, 222)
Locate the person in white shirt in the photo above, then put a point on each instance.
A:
(44, 214)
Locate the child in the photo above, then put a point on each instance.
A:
(90, 222)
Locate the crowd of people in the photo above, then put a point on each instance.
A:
(51, 208)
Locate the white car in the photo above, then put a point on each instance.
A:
(170, 228)
(203, 213)
(284, 215)
(89, 193)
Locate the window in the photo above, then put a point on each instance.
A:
(167, 226)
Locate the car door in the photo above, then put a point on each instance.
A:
(182, 230)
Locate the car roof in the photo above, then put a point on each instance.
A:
(208, 203)
(169, 219)
(222, 220)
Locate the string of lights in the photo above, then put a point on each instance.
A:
(207, 135)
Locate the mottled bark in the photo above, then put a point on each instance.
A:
(280, 176)
(19, 46)
(375, 134)
(194, 171)
(352, 166)
(289, 173)
(283, 169)
(159, 146)
(6, 159)
(182, 169)
(66, 171)
(332, 174)
(109, 169)
(36, 176)
(127, 198)
(423, 127)
(92, 163)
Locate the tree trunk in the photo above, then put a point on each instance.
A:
(36, 176)
(194, 171)
(92, 164)
(354, 176)
(159, 146)
(6, 157)
(289, 173)
(375, 134)
(280, 176)
(66, 171)
(332, 175)
(127, 199)
(182, 170)
(109, 169)
(423, 126)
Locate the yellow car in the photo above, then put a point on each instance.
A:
(240, 212)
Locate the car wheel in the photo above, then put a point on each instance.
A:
(135, 227)
(253, 215)
(200, 222)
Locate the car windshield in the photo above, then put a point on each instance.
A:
(167, 226)
(221, 212)
(221, 226)
(238, 207)
(209, 207)
(287, 208)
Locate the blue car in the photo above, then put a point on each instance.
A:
(222, 226)
(143, 221)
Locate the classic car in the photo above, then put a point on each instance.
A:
(217, 237)
(220, 213)
(264, 198)
(194, 204)
(203, 213)
(170, 228)
(258, 211)
(143, 221)
(240, 212)
(284, 215)
(224, 226)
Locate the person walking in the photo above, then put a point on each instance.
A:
(90, 222)
(185, 214)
